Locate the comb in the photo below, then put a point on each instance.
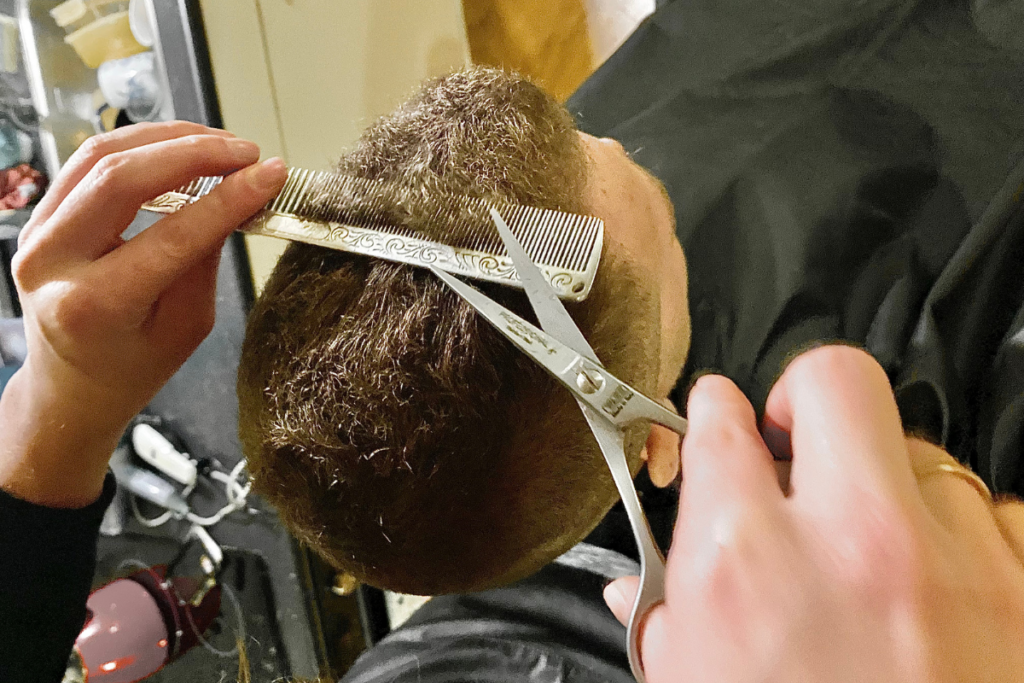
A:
(565, 246)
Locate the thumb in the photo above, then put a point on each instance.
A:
(619, 595)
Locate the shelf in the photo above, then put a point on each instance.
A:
(62, 87)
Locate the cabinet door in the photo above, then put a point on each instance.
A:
(304, 77)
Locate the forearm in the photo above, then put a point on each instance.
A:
(52, 454)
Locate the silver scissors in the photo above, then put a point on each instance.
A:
(608, 403)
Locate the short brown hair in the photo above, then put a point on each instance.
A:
(396, 432)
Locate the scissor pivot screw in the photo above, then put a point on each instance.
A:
(589, 382)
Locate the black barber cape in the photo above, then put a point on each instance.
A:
(841, 169)
(844, 170)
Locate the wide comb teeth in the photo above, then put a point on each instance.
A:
(360, 215)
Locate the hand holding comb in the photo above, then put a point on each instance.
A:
(566, 247)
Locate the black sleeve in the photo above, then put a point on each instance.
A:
(47, 559)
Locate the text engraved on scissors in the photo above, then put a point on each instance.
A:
(523, 332)
(617, 401)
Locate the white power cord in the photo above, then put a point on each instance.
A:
(236, 493)
(233, 491)
(161, 519)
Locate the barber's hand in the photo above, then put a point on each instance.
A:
(861, 573)
(108, 321)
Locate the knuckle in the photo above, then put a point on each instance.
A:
(205, 145)
(215, 203)
(713, 382)
(716, 388)
(832, 357)
(730, 437)
(718, 445)
(177, 128)
(109, 172)
(172, 247)
(193, 139)
(73, 309)
(737, 546)
(95, 147)
(205, 151)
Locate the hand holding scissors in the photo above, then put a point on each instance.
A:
(882, 558)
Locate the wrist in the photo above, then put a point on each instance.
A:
(55, 450)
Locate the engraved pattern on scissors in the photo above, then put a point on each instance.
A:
(517, 329)
(617, 401)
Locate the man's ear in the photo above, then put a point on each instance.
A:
(662, 455)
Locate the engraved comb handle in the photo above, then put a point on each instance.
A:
(169, 202)
(566, 246)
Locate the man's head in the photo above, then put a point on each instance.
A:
(397, 433)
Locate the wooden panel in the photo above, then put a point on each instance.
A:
(545, 40)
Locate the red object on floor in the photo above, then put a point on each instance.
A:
(20, 185)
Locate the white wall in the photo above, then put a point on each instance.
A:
(610, 22)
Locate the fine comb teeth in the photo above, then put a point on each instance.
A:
(566, 247)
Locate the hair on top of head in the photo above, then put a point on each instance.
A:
(534, 158)
(397, 433)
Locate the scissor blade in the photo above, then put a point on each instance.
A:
(612, 398)
(553, 317)
(550, 353)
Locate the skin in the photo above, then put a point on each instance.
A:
(640, 222)
(108, 321)
(870, 565)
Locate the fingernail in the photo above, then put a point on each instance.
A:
(243, 150)
(268, 175)
(613, 596)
